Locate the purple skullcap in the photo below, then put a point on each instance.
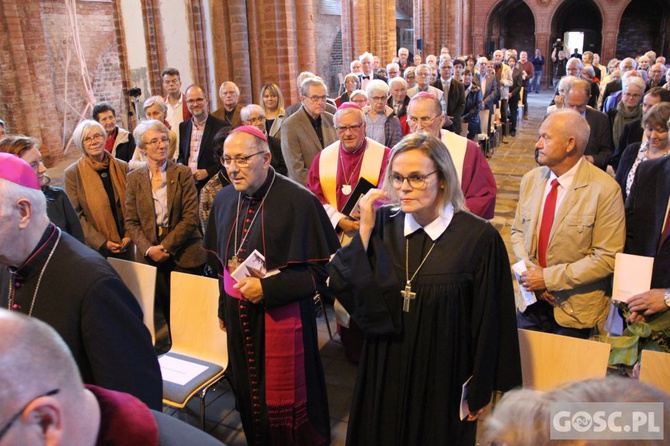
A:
(423, 94)
(251, 130)
(349, 105)
(14, 169)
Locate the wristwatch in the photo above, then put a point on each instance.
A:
(666, 297)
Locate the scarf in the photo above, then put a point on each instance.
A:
(623, 117)
(96, 195)
(124, 420)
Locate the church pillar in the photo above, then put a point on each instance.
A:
(261, 41)
(368, 26)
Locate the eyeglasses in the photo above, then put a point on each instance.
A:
(154, 142)
(345, 128)
(241, 161)
(16, 416)
(195, 101)
(378, 98)
(257, 120)
(317, 98)
(96, 137)
(415, 180)
(631, 95)
(424, 121)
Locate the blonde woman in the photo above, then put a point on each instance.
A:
(273, 105)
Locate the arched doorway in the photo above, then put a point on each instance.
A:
(643, 27)
(579, 16)
(511, 25)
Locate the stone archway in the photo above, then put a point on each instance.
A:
(511, 25)
(579, 15)
(644, 26)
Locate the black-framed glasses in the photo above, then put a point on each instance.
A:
(241, 161)
(16, 416)
(415, 180)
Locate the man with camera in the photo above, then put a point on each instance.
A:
(558, 57)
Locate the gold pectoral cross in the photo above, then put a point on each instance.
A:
(232, 263)
(407, 296)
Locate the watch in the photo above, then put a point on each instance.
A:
(666, 297)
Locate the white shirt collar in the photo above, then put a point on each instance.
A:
(435, 228)
(566, 179)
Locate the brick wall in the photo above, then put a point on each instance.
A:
(643, 17)
(39, 83)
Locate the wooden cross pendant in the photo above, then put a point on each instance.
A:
(232, 263)
(407, 296)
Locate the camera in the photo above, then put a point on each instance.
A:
(558, 45)
(135, 92)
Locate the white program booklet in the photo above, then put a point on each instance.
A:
(632, 275)
(179, 371)
(253, 266)
(464, 409)
(528, 297)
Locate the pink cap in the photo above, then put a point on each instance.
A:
(349, 105)
(14, 169)
(424, 94)
(251, 130)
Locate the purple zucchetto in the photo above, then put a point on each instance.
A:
(14, 169)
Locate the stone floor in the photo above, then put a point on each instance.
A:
(509, 162)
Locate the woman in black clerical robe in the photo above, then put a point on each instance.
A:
(429, 284)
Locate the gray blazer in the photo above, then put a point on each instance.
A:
(184, 240)
(299, 143)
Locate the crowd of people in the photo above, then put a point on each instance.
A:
(380, 188)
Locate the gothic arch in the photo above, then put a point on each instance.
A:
(579, 15)
(643, 25)
(510, 24)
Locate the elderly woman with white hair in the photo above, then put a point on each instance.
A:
(381, 122)
(96, 185)
(351, 83)
(155, 108)
(162, 212)
(629, 107)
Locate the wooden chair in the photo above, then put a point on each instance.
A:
(140, 279)
(549, 360)
(655, 369)
(199, 354)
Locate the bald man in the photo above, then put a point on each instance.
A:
(51, 276)
(569, 225)
(44, 401)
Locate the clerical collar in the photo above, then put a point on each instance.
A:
(355, 152)
(33, 264)
(260, 193)
(435, 228)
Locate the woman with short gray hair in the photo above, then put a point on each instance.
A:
(381, 123)
(96, 185)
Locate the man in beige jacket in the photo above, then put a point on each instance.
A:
(569, 225)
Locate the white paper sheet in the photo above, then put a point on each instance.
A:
(528, 296)
(464, 410)
(632, 275)
(179, 371)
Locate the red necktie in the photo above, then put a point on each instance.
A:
(547, 222)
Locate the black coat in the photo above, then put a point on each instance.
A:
(645, 216)
(84, 300)
(206, 158)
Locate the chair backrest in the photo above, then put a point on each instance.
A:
(194, 321)
(655, 369)
(141, 281)
(549, 360)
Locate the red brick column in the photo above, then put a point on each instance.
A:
(368, 26)
(155, 45)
